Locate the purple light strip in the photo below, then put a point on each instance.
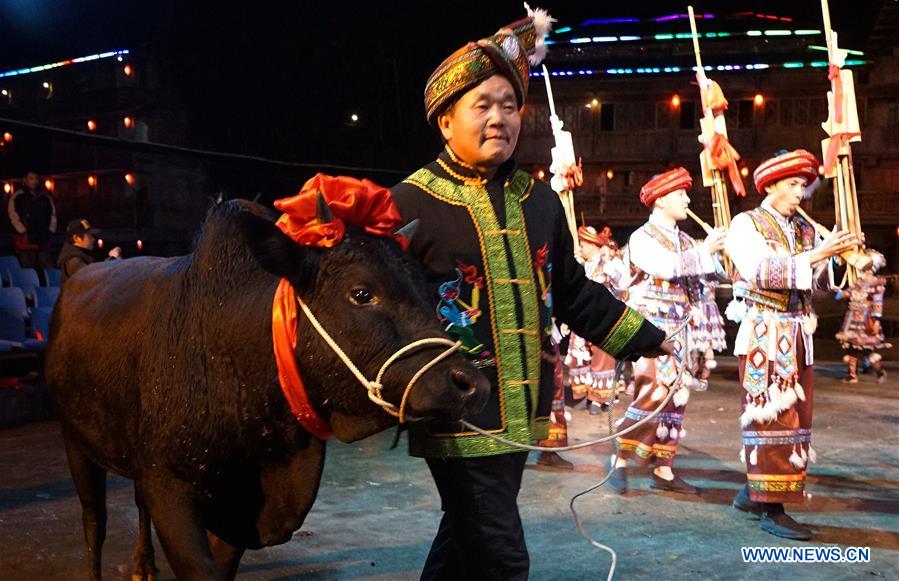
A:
(609, 21)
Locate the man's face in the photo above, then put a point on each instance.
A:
(31, 180)
(589, 250)
(86, 241)
(482, 127)
(786, 194)
(674, 205)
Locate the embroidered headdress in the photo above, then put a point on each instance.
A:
(664, 184)
(792, 163)
(511, 52)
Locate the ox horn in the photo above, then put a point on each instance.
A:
(409, 230)
(322, 212)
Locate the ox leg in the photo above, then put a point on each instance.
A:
(226, 556)
(179, 527)
(144, 568)
(90, 482)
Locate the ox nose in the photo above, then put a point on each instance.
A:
(464, 380)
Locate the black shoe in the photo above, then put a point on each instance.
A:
(553, 460)
(618, 481)
(676, 484)
(775, 521)
(742, 502)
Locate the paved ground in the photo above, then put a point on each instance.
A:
(378, 508)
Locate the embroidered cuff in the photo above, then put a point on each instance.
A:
(622, 332)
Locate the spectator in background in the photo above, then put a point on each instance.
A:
(33, 216)
(76, 252)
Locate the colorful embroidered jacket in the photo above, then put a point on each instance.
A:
(502, 262)
(861, 325)
(669, 265)
(775, 280)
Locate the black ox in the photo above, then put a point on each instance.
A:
(162, 371)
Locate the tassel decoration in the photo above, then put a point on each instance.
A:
(662, 431)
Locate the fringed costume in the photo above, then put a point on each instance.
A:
(591, 371)
(669, 265)
(774, 341)
(862, 334)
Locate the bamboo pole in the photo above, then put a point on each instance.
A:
(702, 223)
(853, 257)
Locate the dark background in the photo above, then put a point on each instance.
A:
(280, 79)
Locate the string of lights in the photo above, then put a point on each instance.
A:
(678, 69)
(67, 62)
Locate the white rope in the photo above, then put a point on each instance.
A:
(374, 387)
(603, 439)
(577, 519)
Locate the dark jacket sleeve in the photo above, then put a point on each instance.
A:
(591, 310)
(72, 265)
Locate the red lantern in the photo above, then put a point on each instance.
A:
(128, 122)
(675, 101)
(91, 125)
(140, 245)
(127, 70)
(48, 184)
(7, 188)
(129, 178)
(91, 181)
(7, 137)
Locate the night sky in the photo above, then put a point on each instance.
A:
(280, 79)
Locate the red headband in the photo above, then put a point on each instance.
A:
(794, 163)
(590, 235)
(664, 184)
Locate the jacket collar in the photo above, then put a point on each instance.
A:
(463, 172)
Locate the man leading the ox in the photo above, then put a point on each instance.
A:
(779, 259)
(496, 245)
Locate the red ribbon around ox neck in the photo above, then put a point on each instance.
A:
(359, 203)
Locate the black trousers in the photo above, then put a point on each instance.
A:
(480, 536)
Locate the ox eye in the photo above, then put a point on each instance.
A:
(362, 296)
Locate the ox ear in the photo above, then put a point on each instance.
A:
(274, 251)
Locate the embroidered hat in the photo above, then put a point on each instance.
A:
(664, 184)
(589, 235)
(510, 52)
(792, 163)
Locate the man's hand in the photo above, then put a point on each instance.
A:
(834, 244)
(666, 348)
(714, 242)
(115, 253)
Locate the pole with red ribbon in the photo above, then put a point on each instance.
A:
(718, 158)
(842, 129)
(566, 170)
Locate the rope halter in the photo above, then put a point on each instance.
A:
(374, 387)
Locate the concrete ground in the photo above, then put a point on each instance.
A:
(378, 509)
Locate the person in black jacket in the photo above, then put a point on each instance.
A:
(76, 252)
(501, 258)
(33, 216)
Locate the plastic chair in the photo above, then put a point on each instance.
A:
(13, 314)
(8, 265)
(40, 321)
(46, 296)
(52, 276)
